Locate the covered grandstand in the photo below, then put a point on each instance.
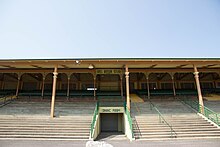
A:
(77, 99)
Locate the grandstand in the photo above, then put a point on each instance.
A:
(133, 98)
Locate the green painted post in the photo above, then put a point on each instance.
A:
(217, 119)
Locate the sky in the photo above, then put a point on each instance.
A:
(39, 29)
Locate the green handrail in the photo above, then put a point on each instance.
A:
(172, 132)
(5, 100)
(208, 113)
(94, 119)
(127, 112)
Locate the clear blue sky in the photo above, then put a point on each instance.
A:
(109, 28)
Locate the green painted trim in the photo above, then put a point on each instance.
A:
(114, 59)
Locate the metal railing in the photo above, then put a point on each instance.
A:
(208, 113)
(96, 111)
(4, 100)
(162, 120)
(127, 112)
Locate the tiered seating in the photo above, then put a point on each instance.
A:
(30, 120)
(7, 92)
(81, 93)
(108, 95)
(162, 92)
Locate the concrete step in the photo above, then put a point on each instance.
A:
(176, 130)
(43, 127)
(174, 127)
(173, 123)
(46, 124)
(44, 136)
(47, 130)
(46, 133)
(179, 132)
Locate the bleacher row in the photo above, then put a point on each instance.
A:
(63, 93)
(105, 94)
(158, 92)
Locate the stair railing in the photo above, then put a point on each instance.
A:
(95, 114)
(127, 112)
(162, 120)
(208, 113)
(4, 100)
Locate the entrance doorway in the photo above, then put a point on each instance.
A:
(112, 126)
(112, 122)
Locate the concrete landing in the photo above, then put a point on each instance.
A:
(136, 99)
(105, 136)
(212, 97)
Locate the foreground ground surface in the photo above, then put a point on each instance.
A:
(167, 143)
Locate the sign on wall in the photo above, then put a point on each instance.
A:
(111, 109)
(108, 71)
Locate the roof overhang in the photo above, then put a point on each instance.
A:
(111, 63)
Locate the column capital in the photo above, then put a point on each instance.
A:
(147, 75)
(94, 76)
(171, 74)
(196, 73)
(55, 74)
(68, 75)
(19, 75)
(121, 76)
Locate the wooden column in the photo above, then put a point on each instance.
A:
(68, 85)
(148, 86)
(53, 92)
(43, 83)
(173, 83)
(127, 87)
(121, 85)
(196, 73)
(18, 84)
(3, 84)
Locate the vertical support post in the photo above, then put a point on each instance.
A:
(173, 83)
(148, 85)
(43, 83)
(54, 91)
(121, 85)
(138, 81)
(127, 87)
(18, 84)
(94, 86)
(3, 84)
(196, 73)
(68, 85)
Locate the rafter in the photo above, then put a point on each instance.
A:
(152, 66)
(64, 66)
(8, 66)
(36, 66)
(210, 65)
(180, 66)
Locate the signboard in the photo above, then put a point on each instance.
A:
(108, 71)
(111, 109)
